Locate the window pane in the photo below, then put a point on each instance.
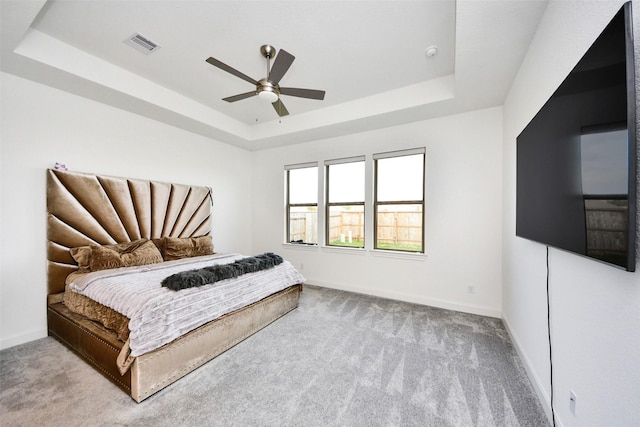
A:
(400, 178)
(303, 224)
(303, 186)
(399, 227)
(346, 226)
(346, 182)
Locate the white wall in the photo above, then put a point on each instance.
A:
(40, 126)
(462, 214)
(595, 309)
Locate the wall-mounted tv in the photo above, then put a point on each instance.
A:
(576, 160)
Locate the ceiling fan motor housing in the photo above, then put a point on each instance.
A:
(267, 90)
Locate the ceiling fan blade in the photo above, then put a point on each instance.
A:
(302, 93)
(230, 70)
(241, 96)
(280, 108)
(280, 66)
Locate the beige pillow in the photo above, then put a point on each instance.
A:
(82, 255)
(176, 248)
(159, 242)
(139, 252)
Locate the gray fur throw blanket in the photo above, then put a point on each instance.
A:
(216, 273)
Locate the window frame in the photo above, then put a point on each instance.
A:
(329, 205)
(376, 203)
(289, 205)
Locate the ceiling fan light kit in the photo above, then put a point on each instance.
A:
(267, 91)
(268, 88)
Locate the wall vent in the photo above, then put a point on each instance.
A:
(141, 43)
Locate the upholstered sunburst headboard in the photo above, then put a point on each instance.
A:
(85, 209)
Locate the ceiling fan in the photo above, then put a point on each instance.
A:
(268, 88)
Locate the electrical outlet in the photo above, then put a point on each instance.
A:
(572, 401)
(471, 289)
(301, 266)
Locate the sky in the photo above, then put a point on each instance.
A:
(400, 178)
(605, 162)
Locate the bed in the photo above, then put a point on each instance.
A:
(102, 213)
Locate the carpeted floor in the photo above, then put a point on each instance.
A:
(340, 359)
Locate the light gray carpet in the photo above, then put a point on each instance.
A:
(340, 359)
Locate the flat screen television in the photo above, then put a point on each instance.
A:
(576, 160)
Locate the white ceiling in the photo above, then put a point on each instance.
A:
(369, 57)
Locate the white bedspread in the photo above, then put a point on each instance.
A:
(159, 315)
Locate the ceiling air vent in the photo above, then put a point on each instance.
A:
(141, 43)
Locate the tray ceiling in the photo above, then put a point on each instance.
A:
(369, 57)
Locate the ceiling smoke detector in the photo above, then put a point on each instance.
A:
(141, 43)
(431, 51)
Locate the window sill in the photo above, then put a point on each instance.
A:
(398, 255)
(344, 250)
(298, 246)
(357, 251)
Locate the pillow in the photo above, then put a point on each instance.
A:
(82, 255)
(159, 242)
(176, 248)
(139, 252)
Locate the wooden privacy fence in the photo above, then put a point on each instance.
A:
(400, 228)
(304, 226)
(397, 228)
(606, 222)
(346, 226)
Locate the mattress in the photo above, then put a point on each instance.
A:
(158, 315)
(92, 310)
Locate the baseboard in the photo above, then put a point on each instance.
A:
(22, 338)
(537, 383)
(415, 299)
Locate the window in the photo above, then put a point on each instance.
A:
(399, 200)
(345, 202)
(302, 203)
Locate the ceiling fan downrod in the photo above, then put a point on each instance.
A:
(268, 52)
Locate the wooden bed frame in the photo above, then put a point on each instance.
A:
(85, 209)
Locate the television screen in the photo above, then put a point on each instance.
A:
(576, 160)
